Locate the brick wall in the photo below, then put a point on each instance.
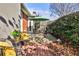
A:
(24, 22)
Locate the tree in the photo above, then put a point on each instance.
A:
(61, 9)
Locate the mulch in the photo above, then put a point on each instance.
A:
(48, 49)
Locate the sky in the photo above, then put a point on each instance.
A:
(41, 8)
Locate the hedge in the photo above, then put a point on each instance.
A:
(66, 28)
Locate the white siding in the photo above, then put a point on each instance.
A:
(8, 11)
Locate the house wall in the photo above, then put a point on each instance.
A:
(43, 25)
(24, 22)
(9, 16)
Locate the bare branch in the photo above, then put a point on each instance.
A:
(62, 9)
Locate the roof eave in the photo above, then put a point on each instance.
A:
(25, 10)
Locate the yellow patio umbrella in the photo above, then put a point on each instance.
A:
(5, 44)
(8, 50)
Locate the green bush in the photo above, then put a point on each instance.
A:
(66, 26)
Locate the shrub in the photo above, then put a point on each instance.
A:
(66, 27)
